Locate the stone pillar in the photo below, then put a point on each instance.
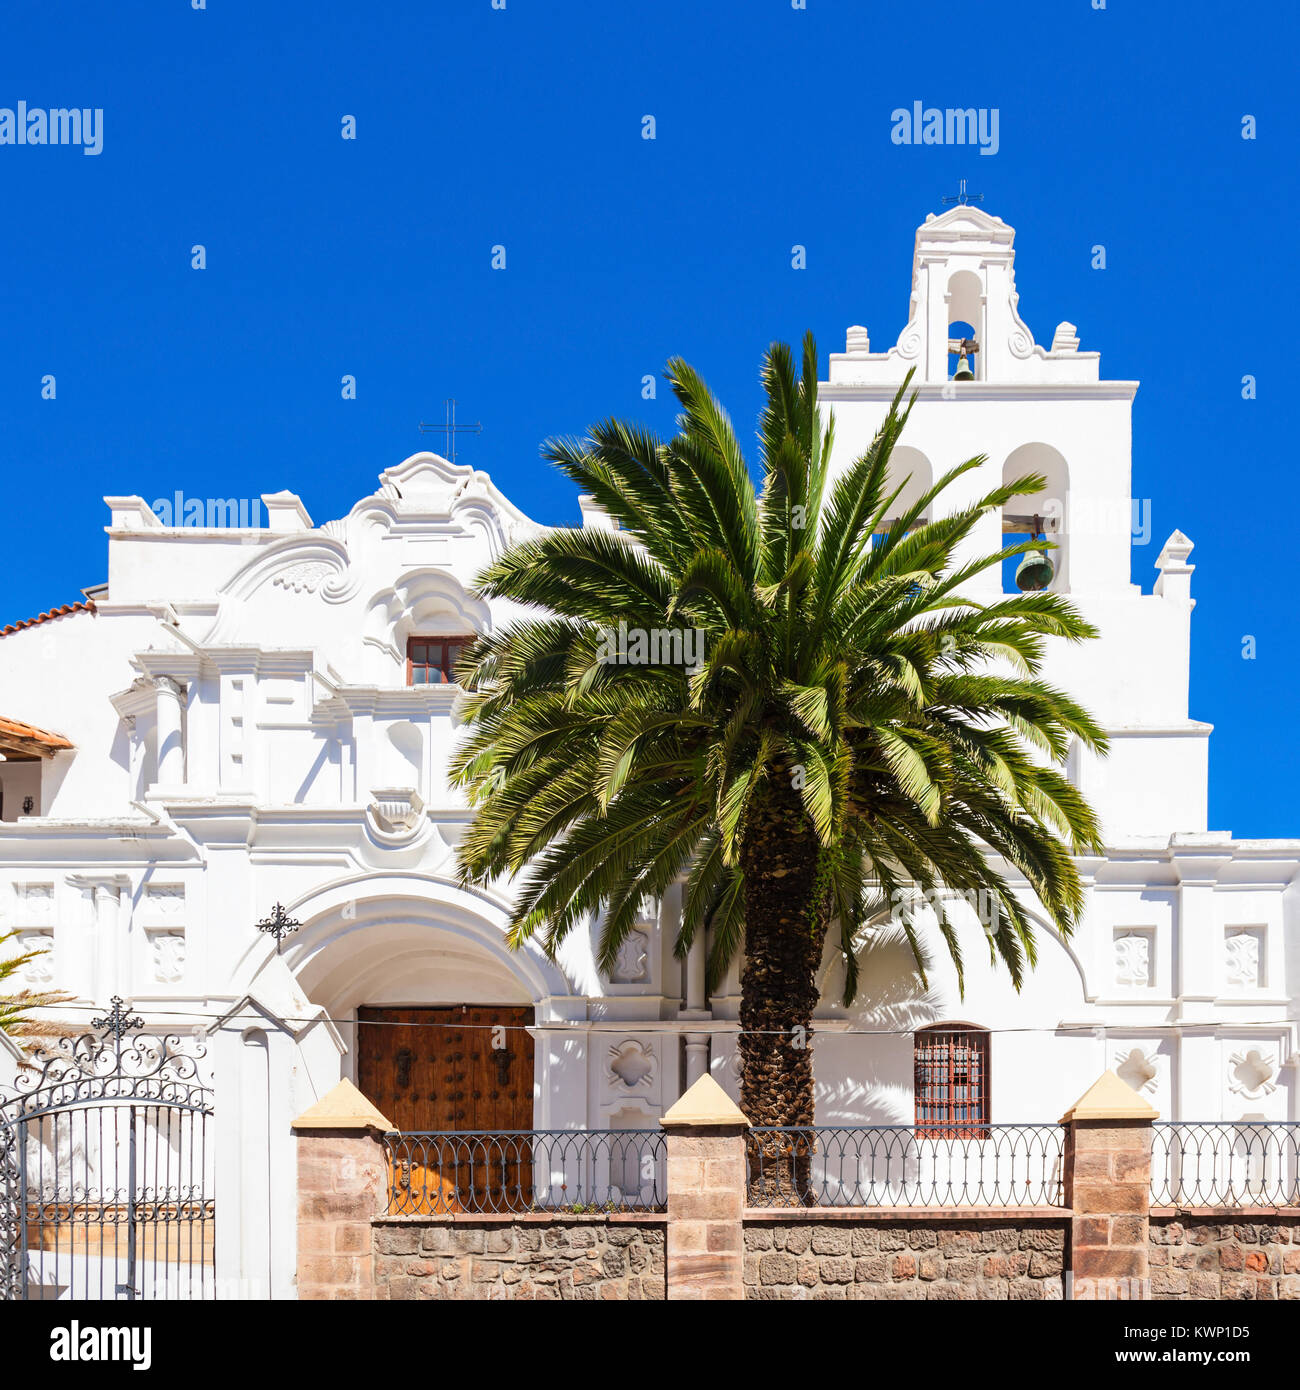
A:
(1108, 1188)
(342, 1179)
(171, 750)
(706, 1194)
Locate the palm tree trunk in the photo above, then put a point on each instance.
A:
(787, 908)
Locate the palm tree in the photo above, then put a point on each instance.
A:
(856, 732)
(14, 1008)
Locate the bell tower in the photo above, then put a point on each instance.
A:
(964, 278)
(964, 286)
(985, 387)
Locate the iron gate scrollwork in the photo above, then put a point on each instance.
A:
(107, 1176)
(10, 1258)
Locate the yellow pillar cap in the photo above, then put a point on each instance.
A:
(1109, 1098)
(343, 1108)
(706, 1103)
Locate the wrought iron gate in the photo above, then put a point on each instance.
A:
(10, 1206)
(105, 1172)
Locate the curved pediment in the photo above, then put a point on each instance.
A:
(427, 489)
(427, 478)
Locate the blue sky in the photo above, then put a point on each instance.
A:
(522, 127)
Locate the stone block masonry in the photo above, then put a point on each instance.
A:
(893, 1260)
(340, 1183)
(521, 1258)
(1226, 1255)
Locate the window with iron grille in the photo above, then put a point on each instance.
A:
(432, 660)
(951, 1062)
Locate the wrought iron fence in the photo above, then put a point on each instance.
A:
(899, 1166)
(511, 1171)
(1249, 1163)
(105, 1170)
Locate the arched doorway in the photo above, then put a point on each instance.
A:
(414, 973)
(437, 1020)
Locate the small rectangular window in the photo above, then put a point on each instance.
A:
(432, 660)
(951, 1072)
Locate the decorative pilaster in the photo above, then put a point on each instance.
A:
(695, 1003)
(697, 1057)
(169, 724)
(1108, 1186)
(706, 1194)
(111, 967)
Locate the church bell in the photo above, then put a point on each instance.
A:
(963, 372)
(1034, 571)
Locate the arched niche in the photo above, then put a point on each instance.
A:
(424, 602)
(965, 314)
(892, 998)
(911, 468)
(1051, 505)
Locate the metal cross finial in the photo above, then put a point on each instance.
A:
(279, 925)
(451, 429)
(962, 197)
(117, 1021)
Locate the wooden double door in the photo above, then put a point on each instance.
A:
(450, 1070)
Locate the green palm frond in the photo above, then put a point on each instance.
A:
(841, 649)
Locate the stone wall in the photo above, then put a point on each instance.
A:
(1104, 1242)
(932, 1259)
(552, 1258)
(1223, 1255)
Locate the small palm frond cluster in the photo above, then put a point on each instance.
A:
(15, 1009)
(836, 648)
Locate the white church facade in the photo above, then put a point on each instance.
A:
(246, 717)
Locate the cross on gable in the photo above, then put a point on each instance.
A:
(450, 430)
(962, 197)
